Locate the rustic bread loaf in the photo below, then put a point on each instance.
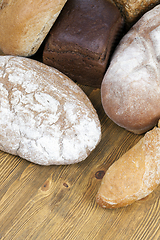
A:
(25, 24)
(44, 116)
(134, 176)
(80, 42)
(131, 85)
(133, 10)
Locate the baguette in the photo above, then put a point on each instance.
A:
(134, 176)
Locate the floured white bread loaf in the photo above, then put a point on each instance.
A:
(44, 116)
(134, 176)
(131, 86)
(25, 24)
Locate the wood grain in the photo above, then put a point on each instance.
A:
(58, 202)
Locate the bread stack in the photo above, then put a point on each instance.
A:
(90, 43)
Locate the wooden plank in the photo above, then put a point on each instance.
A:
(58, 202)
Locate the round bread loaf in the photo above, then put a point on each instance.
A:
(130, 89)
(44, 116)
(25, 24)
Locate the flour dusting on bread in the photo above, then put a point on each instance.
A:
(44, 116)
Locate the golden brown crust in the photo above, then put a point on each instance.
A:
(24, 24)
(135, 175)
(132, 10)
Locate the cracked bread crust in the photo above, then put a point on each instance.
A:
(44, 116)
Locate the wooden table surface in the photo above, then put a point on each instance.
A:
(58, 202)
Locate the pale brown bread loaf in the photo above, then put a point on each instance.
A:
(45, 117)
(131, 85)
(134, 176)
(25, 24)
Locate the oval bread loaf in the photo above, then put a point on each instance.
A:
(130, 89)
(25, 24)
(44, 116)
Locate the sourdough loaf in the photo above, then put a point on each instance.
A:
(134, 176)
(25, 24)
(45, 118)
(131, 85)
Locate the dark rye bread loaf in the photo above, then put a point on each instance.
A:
(80, 42)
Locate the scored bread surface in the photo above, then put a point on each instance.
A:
(44, 116)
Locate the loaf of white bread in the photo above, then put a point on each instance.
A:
(131, 85)
(25, 24)
(133, 176)
(45, 117)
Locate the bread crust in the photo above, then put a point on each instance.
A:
(25, 24)
(133, 10)
(133, 176)
(45, 118)
(130, 88)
